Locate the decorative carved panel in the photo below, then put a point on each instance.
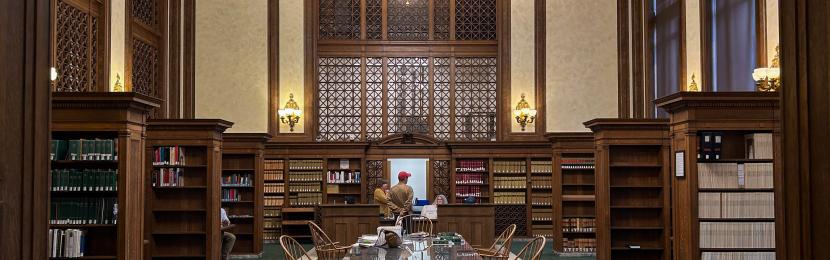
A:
(374, 19)
(475, 19)
(146, 12)
(408, 95)
(339, 19)
(145, 68)
(441, 101)
(338, 99)
(511, 214)
(441, 12)
(441, 177)
(76, 49)
(374, 98)
(374, 174)
(408, 20)
(476, 92)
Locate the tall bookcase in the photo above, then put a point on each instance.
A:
(184, 168)
(541, 197)
(471, 178)
(242, 189)
(632, 188)
(96, 164)
(728, 202)
(274, 198)
(343, 180)
(574, 183)
(304, 190)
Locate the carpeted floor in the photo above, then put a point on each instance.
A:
(274, 252)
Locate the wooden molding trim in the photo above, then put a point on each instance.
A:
(189, 59)
(174, 61)
(273, 66)
(706, 45)
(623, 60)
(540, 70)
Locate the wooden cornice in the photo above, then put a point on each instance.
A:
(555, 137)
(686, 100)
(217, 125)
(601, 124)
(104, 100)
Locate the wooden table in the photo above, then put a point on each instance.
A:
(415, 249)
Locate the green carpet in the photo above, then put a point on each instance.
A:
(273, 251)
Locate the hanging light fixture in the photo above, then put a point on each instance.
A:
(523, 113)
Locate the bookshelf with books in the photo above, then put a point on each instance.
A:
(511, 192)
(93, 196)
(574, 197)
(343, 180)
(304, 190)
(184, 188)
(242, 189)
(274, 196)
(471, 179)
(541, 197)
(728, 204)
(632, 181)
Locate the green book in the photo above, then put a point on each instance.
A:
(73, 150)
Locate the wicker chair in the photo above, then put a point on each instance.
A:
(501, 246)
(292, 249)
(415, 224)
(533, 249)
(325, 248)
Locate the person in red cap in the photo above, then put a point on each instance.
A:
(401, 195)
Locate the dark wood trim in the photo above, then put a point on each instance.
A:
(105, 60)
(273, 67)
(24, 180)
(706, 80)
(504, 126)
(639, 30)
(805, 97)
(682, 36)
(540, 24)
(174, 61)
(648, 91)
(623, 60)
(189, 59)
(760, 33)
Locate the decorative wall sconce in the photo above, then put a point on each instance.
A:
(53, 74)
(768, 79)
(290, 114)
(693, 86)
(523, 113)
(117, 87)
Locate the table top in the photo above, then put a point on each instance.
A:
(415, 249)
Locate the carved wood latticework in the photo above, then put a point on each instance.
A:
(147, 43)
(146, 12)
(511, 214)
(374, 175)
(441, 177)
(77, 46)
(145, 68)
(367, 91)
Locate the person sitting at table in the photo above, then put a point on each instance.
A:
(400, 197)
(228, 238)
(382, 198)
(440, 200)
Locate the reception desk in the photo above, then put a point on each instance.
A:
(345, 223)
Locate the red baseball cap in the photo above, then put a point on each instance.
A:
(403, 175)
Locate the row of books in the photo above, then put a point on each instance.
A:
(274, 188)
(541, 167)
(579, 245)
(272, 223)
(737, 235)
(579, 224)
(577, 163)
(541, 182)
(759, 146)
(305, 187)
(509, 182)
(305, 176)
(541, 199)
(84, 150)
(466, 191)
(341, 177)
(736, 205)
(238, 180)
(273, 201)
(470, 178)
(168, 177)
(67, 243)
(735, 175)
(542, 214)
(306, 199)
(737, 255)
(274, 165)
(84, 211)
(542, 232)
(169, 155)
(272, 213)
(272, 176)
(271, 235)
(84, 179)
(305, 165)
(514, 198)
(510, 167)
(231, 195)
(471, 166)
(710, 145)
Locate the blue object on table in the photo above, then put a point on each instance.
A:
(470, 200)
(421, 202)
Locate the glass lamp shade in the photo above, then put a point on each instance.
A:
(774, 73)
(759, 74)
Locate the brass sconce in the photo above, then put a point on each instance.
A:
(291, 113)
(768, 79)
(523, 113)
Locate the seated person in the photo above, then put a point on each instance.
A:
(228, 239)
(440, 200)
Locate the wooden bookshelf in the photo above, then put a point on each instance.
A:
(242, 172)
(274, 197)
(510, 193)
(540, 188)
(343, 181)
(574, 200)
(304, 186)
(471, 178)
(748, 193)
(109, 171)
(184, 188)
(632, 181)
